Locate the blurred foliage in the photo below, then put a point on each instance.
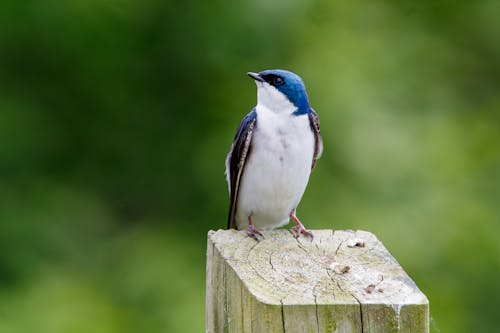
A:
(116, 115)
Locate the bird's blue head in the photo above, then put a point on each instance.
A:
(287, 83)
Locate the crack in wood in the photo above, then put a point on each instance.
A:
(360, 313)
(317, 316)
(283, 316)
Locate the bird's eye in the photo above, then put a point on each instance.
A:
(278, 81)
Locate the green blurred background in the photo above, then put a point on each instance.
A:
(116, 116)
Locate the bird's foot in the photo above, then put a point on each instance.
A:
(254, 233)
(299, 228)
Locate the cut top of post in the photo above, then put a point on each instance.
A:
(336, 267)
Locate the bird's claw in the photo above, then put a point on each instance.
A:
(300, 230)
(254, 233)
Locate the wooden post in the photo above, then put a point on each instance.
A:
(342, 281)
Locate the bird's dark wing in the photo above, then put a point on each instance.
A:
(235, 161)
(318, 141)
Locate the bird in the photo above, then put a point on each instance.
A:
(271, 158)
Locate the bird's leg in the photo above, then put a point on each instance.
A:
(299, 227)
(252, 231)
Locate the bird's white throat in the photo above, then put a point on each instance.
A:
(272, 99)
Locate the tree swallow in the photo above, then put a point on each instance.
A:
(272, 156)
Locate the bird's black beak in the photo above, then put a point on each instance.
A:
(255, 76)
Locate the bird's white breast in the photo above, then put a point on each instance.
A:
(277, 170)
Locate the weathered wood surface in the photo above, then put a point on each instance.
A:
(330, 284)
